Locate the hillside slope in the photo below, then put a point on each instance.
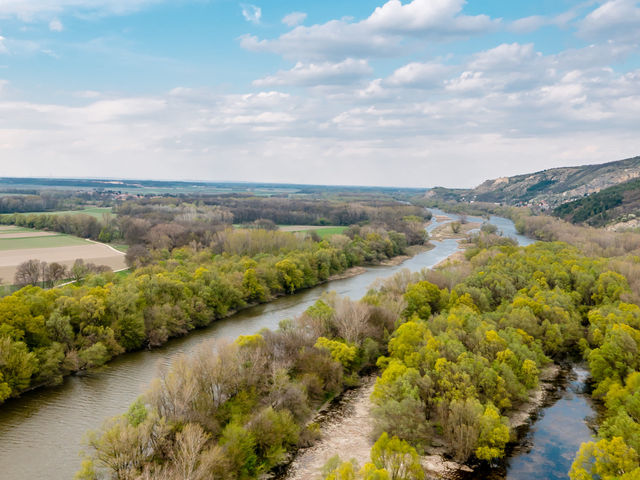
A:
(557, 185)
(619, 204)
(548, 188)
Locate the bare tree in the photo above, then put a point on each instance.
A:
(29, 272)
(137, 255)
(55, 272)
(351, 319)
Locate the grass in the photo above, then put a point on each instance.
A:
(123, 273)
(121, 248)
(325, 232)
(40, 242)
(95, 212)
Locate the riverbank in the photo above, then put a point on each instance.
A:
(412, 251)
(345, 431)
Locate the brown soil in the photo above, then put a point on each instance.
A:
(95, 253)
(9, 234)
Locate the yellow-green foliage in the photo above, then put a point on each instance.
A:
(456, 368)
(606, 460)
(391, 459)
(340, 351)
(78, 327)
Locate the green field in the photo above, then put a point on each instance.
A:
(123, 273)
(325, 232)
(40, 242)
(96, 212)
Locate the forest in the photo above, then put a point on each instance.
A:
(457, 348)
(47, 334)
(602, 207)
(174, 221)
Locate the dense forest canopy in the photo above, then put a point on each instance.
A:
(468, 343)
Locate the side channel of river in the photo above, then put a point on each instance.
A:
(41, 433)
(554, 435)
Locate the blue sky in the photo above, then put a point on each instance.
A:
(415, 93)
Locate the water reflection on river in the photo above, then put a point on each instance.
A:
(550, 444)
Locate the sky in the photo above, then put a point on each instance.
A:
(405, 93)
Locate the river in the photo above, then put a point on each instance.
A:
(550, 443)
(41, 433)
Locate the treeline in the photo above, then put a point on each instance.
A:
(171, 222)
(35, 272)
(280, 210)
(79, 225)
(465, 358)
(48, 201)
(47, 334)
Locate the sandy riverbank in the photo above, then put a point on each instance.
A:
(346, 431)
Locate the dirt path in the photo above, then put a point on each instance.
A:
(347, 433)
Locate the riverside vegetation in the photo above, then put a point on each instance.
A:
(459, 349)
(46, 334)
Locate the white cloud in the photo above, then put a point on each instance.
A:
(55, 25)
(428, 17)
(534, 22)
(3, 47)
(326, 73)
(425, 123)
(251, 13)
(381, 34)
(614, 19)
(506, 56)
(294, 18)
(421, 75)
(580, 117)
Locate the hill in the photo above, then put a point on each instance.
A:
(619, 205)
(547, 189)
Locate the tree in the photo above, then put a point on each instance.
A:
(423, 299)
(606, 460)
(55, 272)
(397, 457)
(137, 255)
(265, 224)
(494, 435)
(79, 270)
(29, 272)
